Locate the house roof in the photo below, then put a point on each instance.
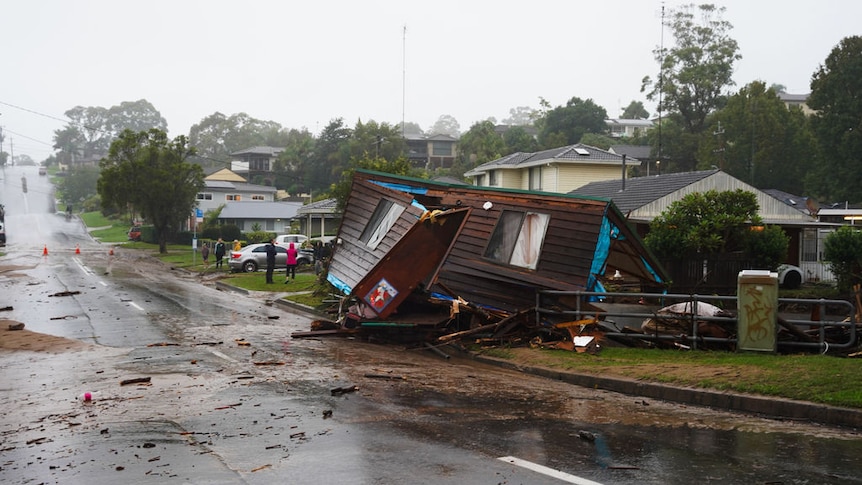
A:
(578, 153)
(640, 191)
(226, 174)
(629, 122)
(224, 185)
(260, 210)
(259, 150)
(324, 206)
(802, 204)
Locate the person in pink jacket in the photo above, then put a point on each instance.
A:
(291, 263)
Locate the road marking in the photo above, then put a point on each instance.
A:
(136, 305)
(83, 267)
(566, 477)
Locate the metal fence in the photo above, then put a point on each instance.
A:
(834, 314)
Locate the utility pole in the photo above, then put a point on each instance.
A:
(720, 150)
(403, 75)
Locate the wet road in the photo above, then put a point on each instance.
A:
(233, 399)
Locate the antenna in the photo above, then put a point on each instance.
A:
(660, 84)
(403, 74)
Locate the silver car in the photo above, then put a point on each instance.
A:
(253, 257)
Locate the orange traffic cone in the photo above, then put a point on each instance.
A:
(77, 249)
(111, 252)
(45, 250)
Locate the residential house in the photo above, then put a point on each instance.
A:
(320, 218)
(431, 151)
(256, 162)
(556, 170)
(626, 128)
(642, 199)
(496, 247)
(268, 216)
(220, 192)
(796, 100)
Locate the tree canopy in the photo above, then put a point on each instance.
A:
(694, 73)
(836, 94)
(149, 173)
(565, 125)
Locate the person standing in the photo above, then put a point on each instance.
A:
(290, 274)
(205, 254)
(237, 246)
(219, 252)
(270, 260)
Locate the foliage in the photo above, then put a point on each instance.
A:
(293, 160)
(330, 157)
(92, 129)
(517, 139)
(341, 190)
(694, 72)
(217, 136)
(836, 94)
(756, 139)
(380, 140)
(445, 125)
(521, 116)
(149, 172)
(599, 141)
(79, 184)
(767, 246)
(258, 236)
(480, 144)
(635, 111)
(842, 250)
(566, 125)
(704, 223)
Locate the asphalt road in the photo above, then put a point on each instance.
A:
(231, 398)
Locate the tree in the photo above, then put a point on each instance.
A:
(521, 116)
(411, 128)
(635, 111)
(92, 129)
(836, 94)
(517, 139)
(217, 136)
(758, 140)
(694, 73)
(480, 144)
(148, 172)
(292, 161)
(599, 141)
(79, 184)
(445, 125)
(565, 125)
(704, 223)
(376, 140)
(843, 251)
(341, 190)
(330, 157)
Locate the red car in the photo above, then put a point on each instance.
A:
(135, 233)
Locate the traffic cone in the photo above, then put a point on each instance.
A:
(45, 250)
(77, 249)
(111, 252)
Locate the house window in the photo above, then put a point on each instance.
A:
(205, 196)
(234, 197)
(518, 238)
(384, 217)
(441, 149)
(536, 178)
(492, 178)
(257, 197)
(480, 180)
(270, 225)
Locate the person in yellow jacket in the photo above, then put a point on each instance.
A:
(236, 245)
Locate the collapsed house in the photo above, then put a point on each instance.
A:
(440, 259)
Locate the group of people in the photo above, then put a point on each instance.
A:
(292, 253)
(219, 249)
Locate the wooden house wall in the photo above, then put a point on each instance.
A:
(355, 259)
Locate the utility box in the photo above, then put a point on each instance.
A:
(757, 305)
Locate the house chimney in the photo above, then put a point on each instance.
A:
(623, 187)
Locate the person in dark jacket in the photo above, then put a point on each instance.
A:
(270, 260)
(219, 252)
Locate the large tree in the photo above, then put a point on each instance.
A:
(91, 129)
(836, 94)
(694, 73)
(635, 111)
(217, 136)
(445, 125)
(149, 172)
(758, 140)
(565, 125)
(480, 144)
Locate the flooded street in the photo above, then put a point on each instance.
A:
(226, 396)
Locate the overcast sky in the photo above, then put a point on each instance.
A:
(302, 64)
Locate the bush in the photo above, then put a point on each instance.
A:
(842, 250)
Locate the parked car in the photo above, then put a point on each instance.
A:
(43, 171)
(284, 239)
(134, 233)
(253, 257)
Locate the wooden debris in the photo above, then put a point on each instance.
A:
(66, 293)
(260, 468)
(269, 363)
(16, 326)
(136, 380)
(163, 344)
(6, 309)
(343, 390)
(384, 376)
(229, 406)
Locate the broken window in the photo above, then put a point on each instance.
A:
(384, 217)
(517, 239)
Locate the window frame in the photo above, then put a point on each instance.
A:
(518, 238)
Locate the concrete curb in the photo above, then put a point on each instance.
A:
(765, 406)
